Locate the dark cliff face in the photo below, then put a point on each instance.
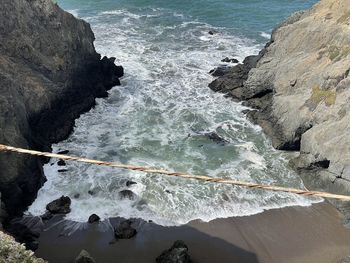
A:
(50, 73)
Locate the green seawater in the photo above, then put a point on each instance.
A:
(163, 111)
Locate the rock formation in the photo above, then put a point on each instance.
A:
(300, 89)
(50, 73)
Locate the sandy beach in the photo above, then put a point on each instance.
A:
(294, 234)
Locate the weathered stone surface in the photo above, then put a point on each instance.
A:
(178, 253)
(50, 73)
(84, 257)
(124, 230)
(300, 88)
(59, 206)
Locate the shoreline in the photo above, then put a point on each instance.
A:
(271, 236)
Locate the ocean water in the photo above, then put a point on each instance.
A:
(162, 112)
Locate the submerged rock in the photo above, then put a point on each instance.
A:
(178, 253)
(216, 137)
(84, 257)
(129, 183)
(127, 194)
(94, 218)
(60, 205)
(124, 230)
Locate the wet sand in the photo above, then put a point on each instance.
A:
(287, 235)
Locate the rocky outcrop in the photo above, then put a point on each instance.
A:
(84, 257)
(300, 89)
(50, 73)
(178, 253)
(59, 206)
(124, 230)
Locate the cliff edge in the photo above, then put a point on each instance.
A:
(299, 87)
(50, 73)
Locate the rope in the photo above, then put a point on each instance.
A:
(144, 169)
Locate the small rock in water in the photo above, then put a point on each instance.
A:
(61, 163)
(91, 192)
(63, 152)
(127, 194)
(178, 253)
(125, 230)
(60, 205)
(216, 138)
(129, 183)
(84, 257)
(93, 218)
(76, 196)
(212, 32)
(62, 170)
(230, 60)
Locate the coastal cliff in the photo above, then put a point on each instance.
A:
(299, 89)
(50, 73)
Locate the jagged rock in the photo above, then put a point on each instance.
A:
(59, 206)
(178, 253)
(61, 163)
(50, 73)
(84, 257)
(127, 194)
(124, 230)
(129, 183)
(94, 218)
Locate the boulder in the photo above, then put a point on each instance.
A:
(124, 230)
(46, 216)
(61, 163)
(94, 218)
(219, 71)
(178, 253)
(84, 257)
(60, 205)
